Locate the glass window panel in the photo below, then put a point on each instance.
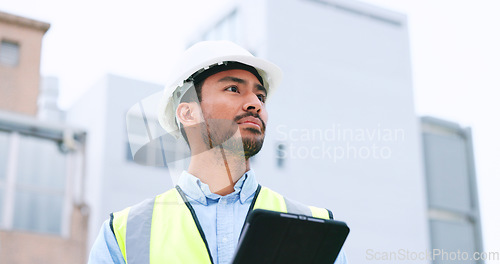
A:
(4, 154)
(447, 172)
(452, 237)
(41, 164)
(4, 158)
(2, 193)
(129, 152)
(9, 53)
(38, 212)
(136, 125)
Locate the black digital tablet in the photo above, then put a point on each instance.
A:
(274, 237)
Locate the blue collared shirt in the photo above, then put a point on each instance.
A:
(221, 218)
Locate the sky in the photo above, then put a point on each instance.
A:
(454, 50)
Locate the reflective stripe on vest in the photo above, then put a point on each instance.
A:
(271, 200)
(166, 230)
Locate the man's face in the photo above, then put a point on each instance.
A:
(232, 100)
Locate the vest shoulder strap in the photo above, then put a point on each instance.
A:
(160, 230)
(270, 200)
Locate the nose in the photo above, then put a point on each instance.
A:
(252, 103)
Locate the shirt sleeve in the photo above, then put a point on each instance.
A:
(341, 258)
(105, 249)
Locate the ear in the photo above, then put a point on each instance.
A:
(189, 114)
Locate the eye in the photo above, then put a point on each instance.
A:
(262, 98)
(232, 88)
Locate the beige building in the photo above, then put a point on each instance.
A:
(43, 218)
(20, 48)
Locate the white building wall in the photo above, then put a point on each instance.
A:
(88, 113)
(346, 69)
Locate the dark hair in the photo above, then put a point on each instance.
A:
(193, 94)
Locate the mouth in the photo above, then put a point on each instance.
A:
(252, 123)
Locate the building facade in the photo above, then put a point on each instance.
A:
(42, 215)
(20, 50)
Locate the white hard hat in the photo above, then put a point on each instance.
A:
(202, 56)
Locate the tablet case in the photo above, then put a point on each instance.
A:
(274, 237)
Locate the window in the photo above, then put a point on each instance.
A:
(137, 134)
(32, 184)
(147, 140)
(40, 185)
(4, 150)
(453, 208)
(128, 151)
(9, 53)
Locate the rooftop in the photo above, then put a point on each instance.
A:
(23, 21)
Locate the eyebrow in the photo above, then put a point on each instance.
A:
(238, 80)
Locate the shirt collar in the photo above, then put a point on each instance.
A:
(195, 189)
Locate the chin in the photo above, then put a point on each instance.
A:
(252, 146)
(254, 138)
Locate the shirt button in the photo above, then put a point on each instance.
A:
(223, 201)
(224, 239)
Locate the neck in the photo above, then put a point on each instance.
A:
(219, 168)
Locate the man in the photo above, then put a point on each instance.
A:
(216, 99)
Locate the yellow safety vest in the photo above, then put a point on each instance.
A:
(165, 229)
